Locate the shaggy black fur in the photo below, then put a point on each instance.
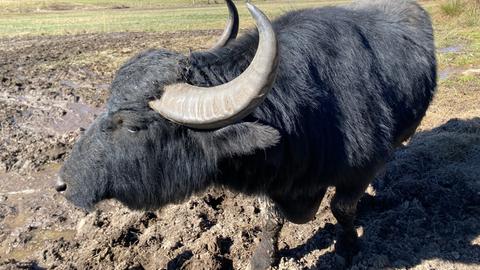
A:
(353, 82)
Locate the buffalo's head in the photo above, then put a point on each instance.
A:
(160, 137)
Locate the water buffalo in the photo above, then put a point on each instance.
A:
(318, 98)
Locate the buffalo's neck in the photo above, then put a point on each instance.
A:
(207, 69)
(252, 174)
(220, 66)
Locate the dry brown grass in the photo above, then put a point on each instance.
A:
(458, 93)
(458, 100)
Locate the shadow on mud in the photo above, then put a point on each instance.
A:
(180, 260)
(426, 207)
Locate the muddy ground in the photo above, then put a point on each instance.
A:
(424, 213)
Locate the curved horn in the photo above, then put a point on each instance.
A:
(219, 106)
(231, 30)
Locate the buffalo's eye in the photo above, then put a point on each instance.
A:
(133, 129)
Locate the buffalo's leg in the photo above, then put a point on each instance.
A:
(344, 207)
(265, 254)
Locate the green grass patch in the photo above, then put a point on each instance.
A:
(455, 8)
(467, 82)
(452, 7)
(460, 31)
(26, 6)
(159, 19)
(463, 59)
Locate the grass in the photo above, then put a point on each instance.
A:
(466, 11)
(57, 17)
(81, 16)
(45, 5)
(452, 7)
(458, 94)
(462, 31)
(58, 23)
(456, 7)
(27, 6)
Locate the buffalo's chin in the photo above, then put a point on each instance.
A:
(139, 206)
(86, 203)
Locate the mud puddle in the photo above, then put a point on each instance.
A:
(449, 72)
(452, 49)
(28, 218)
(37, 241)
(74, 116)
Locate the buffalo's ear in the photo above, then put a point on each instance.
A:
(240, 139)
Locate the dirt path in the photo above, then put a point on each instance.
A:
(423, 214)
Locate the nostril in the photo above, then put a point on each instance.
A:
(60, 186)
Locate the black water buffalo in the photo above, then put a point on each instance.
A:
(318, 98)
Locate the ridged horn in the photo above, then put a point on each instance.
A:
(231, 29)
(219, 106)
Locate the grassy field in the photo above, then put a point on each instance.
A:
(38, 5)
(457, 34)
(56, 17)
(457, 22)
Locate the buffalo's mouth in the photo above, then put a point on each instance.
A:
(75, 197)
(80, 204)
